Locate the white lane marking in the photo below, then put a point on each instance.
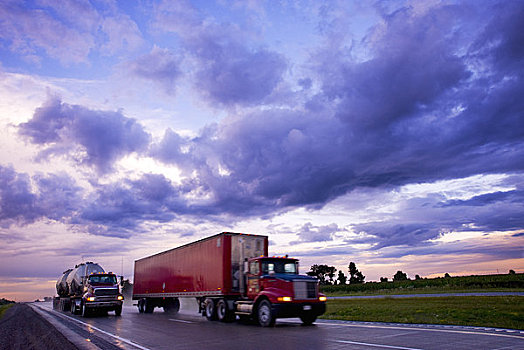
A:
(419, 328)
(124, 340)
(399, 334)
(375, 345)
(176, 320)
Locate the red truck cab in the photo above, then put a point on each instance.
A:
(275, 281)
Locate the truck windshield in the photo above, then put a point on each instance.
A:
(279, 266)
(109, 279)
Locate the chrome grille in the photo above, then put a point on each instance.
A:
(105, 291)
(305, 290)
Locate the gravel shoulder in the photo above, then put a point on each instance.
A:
(23, 328)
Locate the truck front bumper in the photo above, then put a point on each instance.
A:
(112, 304)
(284, 310)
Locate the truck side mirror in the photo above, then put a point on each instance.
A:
(121, 280)
(246, 267)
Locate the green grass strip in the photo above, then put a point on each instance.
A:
(499, 311)
(3, 309)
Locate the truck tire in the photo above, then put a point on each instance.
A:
(224, 314)
(149, 307)
(210, 310)
(84, 310)
(118, 310)
(265, 315)
(308, 319)
(171, 306)
(141, 306)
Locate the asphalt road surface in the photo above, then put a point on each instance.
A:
(188, 330)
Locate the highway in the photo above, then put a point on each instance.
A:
(188, 330)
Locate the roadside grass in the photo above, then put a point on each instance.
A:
(499, 311)
(425, 290)
(3, 309)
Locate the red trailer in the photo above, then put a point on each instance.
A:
(230, 274)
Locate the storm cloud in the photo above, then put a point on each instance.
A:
(435, 96)
(91, 137)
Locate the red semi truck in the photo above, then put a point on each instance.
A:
(230, 274)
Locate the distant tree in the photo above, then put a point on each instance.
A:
(417, 277)
(331, 274)
(400, 276)
(355, 276)
(446, 275)
(322, 272)
(383, 279)
(511, 272)
(342, 279)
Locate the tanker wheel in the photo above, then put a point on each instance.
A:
(265, 314)
(210, 310)
(224, 314)
(171, 306)
(118, 310)
(84, 310)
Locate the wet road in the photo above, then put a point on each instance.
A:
(188, 330)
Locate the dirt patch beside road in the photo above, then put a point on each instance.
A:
(23, 328)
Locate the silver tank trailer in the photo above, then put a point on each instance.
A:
(62, 288)
(75, 279)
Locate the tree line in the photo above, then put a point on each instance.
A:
(326, 275)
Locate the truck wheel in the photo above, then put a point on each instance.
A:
(141, 307)
(210, 310)
(171, 306)
(84, 310)
(148, 307)
(308, 319)
(224, 314)
(118, 310)
(265, 314)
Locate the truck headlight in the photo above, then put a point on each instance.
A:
(322, 298)
(90, 299)
(120, 297)
(284, 299)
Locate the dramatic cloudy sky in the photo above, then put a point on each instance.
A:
(389, 133)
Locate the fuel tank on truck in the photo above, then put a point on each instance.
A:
(75, 279)
(62, 288)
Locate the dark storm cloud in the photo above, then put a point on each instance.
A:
(438, 96)
(159, 66)
(425, 106)
(95, 138)
(56, 197)
(117, 209)
(311, 233)
(227, 71)
(426, 218)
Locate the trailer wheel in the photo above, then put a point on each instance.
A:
(149, 307)
(210, 310)
(224, 314)
(141, 307)
(171, 306)
(265, 314)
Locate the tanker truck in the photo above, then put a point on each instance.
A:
(230, 275)
(88, 288)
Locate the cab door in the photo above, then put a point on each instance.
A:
(253, 279)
